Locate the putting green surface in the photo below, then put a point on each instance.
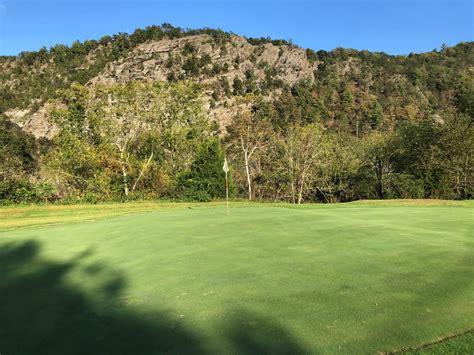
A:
(352, 278)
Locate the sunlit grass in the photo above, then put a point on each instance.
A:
(48, 214)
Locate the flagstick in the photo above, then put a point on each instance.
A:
(227, 192)
(226, 170)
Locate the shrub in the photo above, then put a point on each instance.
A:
(205, 179)
(404, 186)
(23, 191)
(189, 48)
(197, 196)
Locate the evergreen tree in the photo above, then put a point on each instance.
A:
(376, 115)
(205, 180)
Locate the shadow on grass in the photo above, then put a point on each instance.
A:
(41, 313)
(253, 334)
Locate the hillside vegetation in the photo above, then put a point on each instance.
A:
(152, 114)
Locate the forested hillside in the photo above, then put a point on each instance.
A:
(152, 114)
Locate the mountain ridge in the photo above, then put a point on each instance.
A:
(228, 67)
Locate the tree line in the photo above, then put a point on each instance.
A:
(155, 140)
(298, 161)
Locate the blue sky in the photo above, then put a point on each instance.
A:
(397, 27)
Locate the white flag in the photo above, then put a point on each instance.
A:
(225, 167)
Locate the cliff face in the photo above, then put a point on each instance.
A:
(226, 71)
(36, 123)
(156, 60)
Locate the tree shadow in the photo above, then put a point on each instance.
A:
(249, 333)
(41, 312)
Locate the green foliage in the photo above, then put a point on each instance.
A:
(408, 120)
(20, 190)
(205, 180)
(264, 40)
(238, 87)
(376, 115)
(453, 155)
(126, 140)
(196, 196)
(224, 83)
(19, 150)
(271, 81)
(311, 55)
(192, 66)
(465, 96)
(19, 155)
(399, 185)
(189, 48)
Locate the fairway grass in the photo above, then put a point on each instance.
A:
(363, 277)
(458, 344)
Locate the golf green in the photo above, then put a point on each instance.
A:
(351, 278)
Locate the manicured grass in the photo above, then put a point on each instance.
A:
(350, 278)
(32, 215)
(460, 344)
